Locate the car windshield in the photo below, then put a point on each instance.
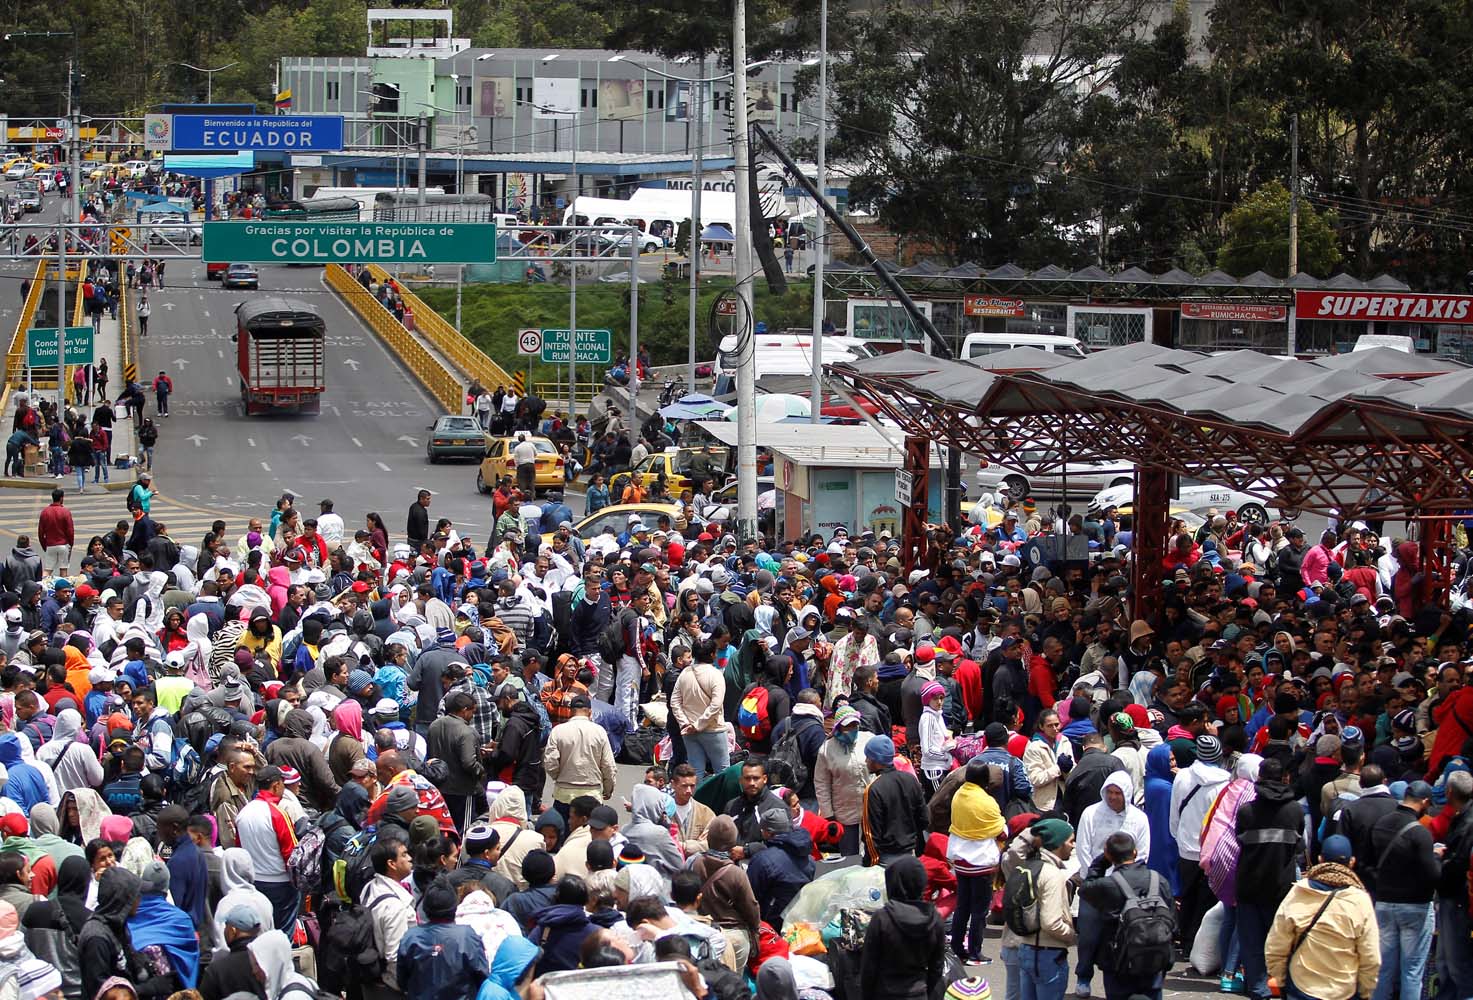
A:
(459, 425)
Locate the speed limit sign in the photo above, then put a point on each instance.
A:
(529, 341)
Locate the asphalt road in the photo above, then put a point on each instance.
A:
(365, 450)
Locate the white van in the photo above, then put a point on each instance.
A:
(137, 169)
(792, 360)
(834, 349)
(979, 345)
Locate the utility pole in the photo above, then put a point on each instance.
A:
(746, 520)
(698, 97)
(573, 298)
(815, 392)
(1293, 196)
(421, 137)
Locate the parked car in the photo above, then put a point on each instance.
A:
(614, 520)
(1198, 496)
(456, 437)
(241, 276)
(1081, 478)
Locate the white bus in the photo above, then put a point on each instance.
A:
(365, 196)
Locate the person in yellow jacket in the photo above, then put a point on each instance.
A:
(974, 849)
(1324, 942)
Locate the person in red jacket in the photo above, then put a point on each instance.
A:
(57, 535)
(1453, 720)
(826, 833)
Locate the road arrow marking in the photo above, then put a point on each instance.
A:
(181, 363)
(198, 440)
(352, 363)
(302, 438)
(409, 440)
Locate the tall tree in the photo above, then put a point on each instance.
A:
(956, 135)
(1257, 237)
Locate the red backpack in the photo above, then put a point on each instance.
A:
(754, 717)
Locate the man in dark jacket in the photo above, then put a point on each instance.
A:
(874, 715)
(1009, 683)
(893, 820)
(517, 758)
(904, 954)
(104, 944)
(806, 721)
(1103, 892)
(748, 809)
(23, 566)
(1355, 819)
(1454, 959)
(1268, 830)
(1085, 783)
(417, 525)
(1405, 872)
(189, 876)
(452, 740)
(782, 867)
(233, 972)
(441, 958)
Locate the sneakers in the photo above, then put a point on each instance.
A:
(1081, 989)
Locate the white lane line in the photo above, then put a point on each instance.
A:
(207, 314)
(219, 352)
(265, 467)
(229, 380)
(383, 466)
(356, 442)
(251, 442)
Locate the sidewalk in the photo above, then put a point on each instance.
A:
(108, 344)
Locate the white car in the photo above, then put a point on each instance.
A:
(1198, 496)
(48, 181)
(647, 244)
(19, 171)
(1082, 478)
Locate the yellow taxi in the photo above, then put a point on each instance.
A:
(498, 462)
(674, 464)
(615, 519)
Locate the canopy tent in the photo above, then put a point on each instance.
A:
(716, 233)
(694, 406)
(776, 406)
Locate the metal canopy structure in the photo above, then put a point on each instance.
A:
(1376, 428)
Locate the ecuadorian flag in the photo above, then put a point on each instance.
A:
(284, 101)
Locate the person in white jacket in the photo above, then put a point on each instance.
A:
(1048, 760)
(840, 777)
(1114, 813)
(1193, 791)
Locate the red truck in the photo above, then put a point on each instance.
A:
(280, 355)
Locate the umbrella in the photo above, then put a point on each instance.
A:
(717, 234)
(776, 406)
(694, 406)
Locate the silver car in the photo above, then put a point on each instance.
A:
(1081, 478)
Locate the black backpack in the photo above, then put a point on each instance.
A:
(1144, 930)
(785, 762)
(1020, 906)
(348, 955)
(611, 639)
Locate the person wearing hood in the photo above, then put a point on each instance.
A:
(51, 926)
(441, 959)
(261, 636)
(512, 969)
(649, 827)
(104, 948)
(560, 928)
(72, 761)
(1114, 813)
(238, 878)
(1270, 842)
(25, 785)
(271, 953)
(1193, 791)
(346, 746)
(1324, 940)
(508, 820)
(232, 970)
(158, 922)
(782, 867)
(1160, 770)
(840, 776)
(295, 748)
(726, 894)
(904, 952)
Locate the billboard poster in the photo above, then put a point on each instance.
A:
(886, 320)
(1392, 307)
(496, 98)
(762, 101)
(554, 97)
(518, 193)
(1235, 312)
(621, 100)
(677, 101)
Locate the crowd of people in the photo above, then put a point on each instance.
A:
(303, 758)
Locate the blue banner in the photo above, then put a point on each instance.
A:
(242, 133)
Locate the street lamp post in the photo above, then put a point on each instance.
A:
(698, 85)
(209, 73)
(820, 177)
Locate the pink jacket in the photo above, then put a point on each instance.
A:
(1315, 566)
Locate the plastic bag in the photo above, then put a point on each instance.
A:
(820, 901)
(804, 939)
(1205, 957)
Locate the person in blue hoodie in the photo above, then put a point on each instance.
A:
(516, 959)
(1160, 773)
(559, 929)
(538, 868)
(25, 786)
(440, 959)
(782, 867)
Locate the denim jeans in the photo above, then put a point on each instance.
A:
(99, 466)
(1454, 957)
(707, 752)
(626, 690)
(1227, 941)
(1044, 972)
(1090, 926)
(81, 471)
(1015, 975)
(286, 900)
(1406, 936)
(1254, 921)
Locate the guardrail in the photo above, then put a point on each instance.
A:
(79, 316)
(444, 386)
(550, 391)
(449, 341)
(15, 357)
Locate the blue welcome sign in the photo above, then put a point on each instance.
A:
(244, 133)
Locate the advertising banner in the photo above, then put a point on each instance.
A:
(1395, 307)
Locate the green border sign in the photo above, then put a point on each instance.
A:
(41, 346)
(595, 347)
(287, 241)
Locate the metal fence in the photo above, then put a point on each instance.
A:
(450, 342)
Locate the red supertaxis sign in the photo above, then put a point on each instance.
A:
(1396, 307)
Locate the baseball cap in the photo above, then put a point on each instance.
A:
(268, 775)
(1419, 790)
(1336, 848)
(1402, 678)
(603, 817)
